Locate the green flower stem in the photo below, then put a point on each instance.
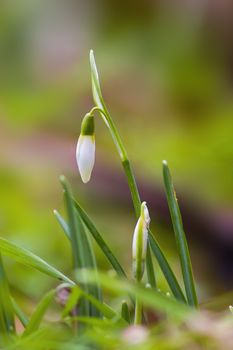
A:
(138, 312)
(124, 158)
(101, 107)
(130, 178)
(164, 265)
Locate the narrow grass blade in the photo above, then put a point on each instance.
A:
(62, 223)
(90, 257)
(77, 292)
(38, 314)
(96, 322)
(164, 265)
(73, 225)
(27, 258)
(147, 296)
(19, 312)
(166, 269)
(76, 240)
(83, 253)
(7, 326)
(89, 254)
(125, 314)
(106, 310)
(100, 241)
(96, 91)
(180, 237)
(90, 262)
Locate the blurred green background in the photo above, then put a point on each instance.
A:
(166, 75)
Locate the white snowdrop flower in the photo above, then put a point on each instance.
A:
(139, 247)
(85, 151)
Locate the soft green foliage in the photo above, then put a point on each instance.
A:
(39, 313)
(106, 310)
(7, 326)
(27, 258)
(100, 241)
(82, 250)
(180, 237)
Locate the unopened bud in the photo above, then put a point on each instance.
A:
(85, 151)
(139, 248)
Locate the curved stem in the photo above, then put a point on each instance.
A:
(113, 130)
(164, 265)
(124, 157)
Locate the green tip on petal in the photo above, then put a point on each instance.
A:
(88, 125)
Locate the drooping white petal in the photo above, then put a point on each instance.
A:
(85, 156)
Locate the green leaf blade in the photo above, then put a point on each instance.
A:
(166, 269)
(82, 249)
(125, 314)
(62, 223)
(181, 241)
(7, 326)
(27, 258)
(19, 313)
(96, 90)
(147, 296)
(100, 241)
(38, 315)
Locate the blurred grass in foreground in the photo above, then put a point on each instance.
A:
(174, 85)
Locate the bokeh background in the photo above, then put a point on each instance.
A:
(166, 69)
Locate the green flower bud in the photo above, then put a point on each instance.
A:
(139, 247)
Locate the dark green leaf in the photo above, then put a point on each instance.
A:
(180, 237)
(125, 314)
(100, 241)
(82, 249)
(166, 269)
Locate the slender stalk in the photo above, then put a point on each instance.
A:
(101, 108)
(130, 179)
(138, 312)
(132, 186)
(164, 265)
